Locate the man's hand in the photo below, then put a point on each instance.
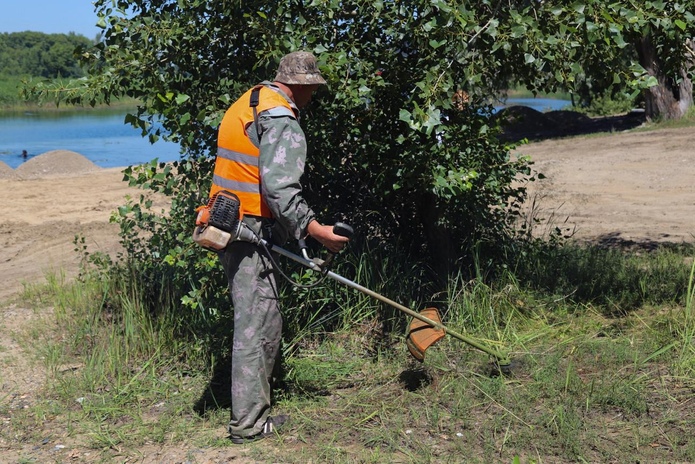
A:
(326, 237)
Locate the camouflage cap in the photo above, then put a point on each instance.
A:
(299, 68)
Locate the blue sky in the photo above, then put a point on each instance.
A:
(49, 16)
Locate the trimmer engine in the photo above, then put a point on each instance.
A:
(220, 222)
(224, 211)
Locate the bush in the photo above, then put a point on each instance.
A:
(608, 104)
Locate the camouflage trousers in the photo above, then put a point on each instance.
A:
(257, 334)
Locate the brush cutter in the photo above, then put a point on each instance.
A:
(426, 328)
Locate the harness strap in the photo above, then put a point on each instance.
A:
(253, 103)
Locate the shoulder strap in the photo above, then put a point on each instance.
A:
(253, 103)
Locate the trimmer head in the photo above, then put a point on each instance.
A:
(422, 335)
(503, 367)
(426, 329)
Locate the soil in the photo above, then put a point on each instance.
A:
(633, 188)
(628, 189)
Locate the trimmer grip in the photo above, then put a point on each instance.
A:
(343, 230)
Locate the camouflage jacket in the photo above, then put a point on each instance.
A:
(281, 165)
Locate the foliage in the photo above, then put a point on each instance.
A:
(608, 104)
(121, 380)
(41, 55)
(159, 249)
(9, 90)
(401, 141)
(591, 48)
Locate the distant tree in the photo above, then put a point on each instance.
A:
(41, 55)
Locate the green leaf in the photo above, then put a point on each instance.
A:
(436, 44)
(659, 5)
(619, 41)
(428, 26)
(579, 7)
(651, 81)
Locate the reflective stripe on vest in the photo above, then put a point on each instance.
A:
(236, 166)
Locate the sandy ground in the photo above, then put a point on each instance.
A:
(627, 188)
(623, 189)
(47, 201)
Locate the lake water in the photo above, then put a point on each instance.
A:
(103, 138)
(99, 135)
(540, 104)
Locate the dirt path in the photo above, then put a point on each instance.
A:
(629, 187)
(636, 187)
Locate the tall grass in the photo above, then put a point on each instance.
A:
(126, 371)
(687, 330)
(333, 306)
(122, 373)
(614, 279)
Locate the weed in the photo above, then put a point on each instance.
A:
(589, 383)
(686, 330)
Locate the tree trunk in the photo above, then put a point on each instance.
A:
(668, 99)
(438, 238)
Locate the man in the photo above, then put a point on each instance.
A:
(261, 155)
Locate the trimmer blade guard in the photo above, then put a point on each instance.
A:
(422, 335)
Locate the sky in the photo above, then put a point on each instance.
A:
(49, 16)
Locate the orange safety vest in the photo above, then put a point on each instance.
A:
(236, 165)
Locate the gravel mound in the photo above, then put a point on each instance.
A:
(522, 117)
(519, 122)
(55, 162)
(7, 172)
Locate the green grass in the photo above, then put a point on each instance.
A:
(9, 91)
(688, 120)
(11, 100)
(589, 383)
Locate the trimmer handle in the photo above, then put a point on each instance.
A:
(339, 228)
(342, 229)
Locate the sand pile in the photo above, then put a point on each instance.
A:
(56, 162)
(6, 172)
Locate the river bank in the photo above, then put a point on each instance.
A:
(11, 99)
(100, 134)
(631, 188)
